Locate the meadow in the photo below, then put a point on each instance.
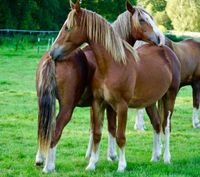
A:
(18, 131)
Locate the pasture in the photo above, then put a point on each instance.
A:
(18, 131)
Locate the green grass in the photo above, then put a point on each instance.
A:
(18, 131)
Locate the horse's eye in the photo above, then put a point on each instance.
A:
(142, 21)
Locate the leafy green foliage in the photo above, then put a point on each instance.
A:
(184, 14)
(51, 14)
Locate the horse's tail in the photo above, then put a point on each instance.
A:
(46, 103)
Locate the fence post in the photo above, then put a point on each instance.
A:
(38, 48)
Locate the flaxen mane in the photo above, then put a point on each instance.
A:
(122, 25)
(100, 31)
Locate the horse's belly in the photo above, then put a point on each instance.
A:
(150, 88)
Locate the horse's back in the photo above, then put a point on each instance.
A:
(188, 53)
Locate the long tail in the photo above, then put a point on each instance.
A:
(46, 102)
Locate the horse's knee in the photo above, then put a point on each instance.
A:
(156, 125)
(121, 140)
(96, 136)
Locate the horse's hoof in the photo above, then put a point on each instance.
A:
(121, 169)
(112, 158)
(155, 159)
(197, 125)
(167, 159)
(45, 170)
(49, 169)
(38, 163)
(90, 167)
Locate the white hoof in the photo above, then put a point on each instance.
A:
(90, 167)
(121, 169)
(49, 169)
(167, 158)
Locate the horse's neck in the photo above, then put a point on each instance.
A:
(169, 43)
(101, 56)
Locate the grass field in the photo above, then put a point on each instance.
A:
(18, 131)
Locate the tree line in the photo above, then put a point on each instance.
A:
(180, 15)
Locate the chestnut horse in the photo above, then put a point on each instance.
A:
(188, 53)
(77, 69)
(121, 79)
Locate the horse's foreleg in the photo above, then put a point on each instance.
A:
(196, 97)
(139, 120)
(121, 137)
(89, 148)
(111, 117)
(156, 123)
(98, 114)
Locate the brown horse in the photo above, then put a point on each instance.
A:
(78, 71)
(121, 78)
(188, 53)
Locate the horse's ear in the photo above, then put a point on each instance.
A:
(129, 7)
(72, 5)
(76, 5)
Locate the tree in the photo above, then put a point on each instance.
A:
(184, 14)
(157, 9)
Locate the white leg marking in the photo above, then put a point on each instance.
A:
(167, 155)
(93, 159)
(139, 120)
(89, 148)
(195, 118)
(39, 158)
(156, 147)
(112, 152)
(122, 160)
(50, 161)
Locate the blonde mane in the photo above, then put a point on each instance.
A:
(122, 25)
(100, 31)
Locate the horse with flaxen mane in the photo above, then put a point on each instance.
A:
(123, 77)
(53, 80)
(188, 53)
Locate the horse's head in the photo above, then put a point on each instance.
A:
(143, 25)
(71, 35)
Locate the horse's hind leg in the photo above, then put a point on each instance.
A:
(196, 97)
(98, 115)
(39, 158)
(139, 120)
(111, 117)
(63, 118)
(156, 123)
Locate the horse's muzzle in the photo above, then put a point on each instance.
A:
(56, 52)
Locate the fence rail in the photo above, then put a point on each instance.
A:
(186, 33)
(26, 31)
